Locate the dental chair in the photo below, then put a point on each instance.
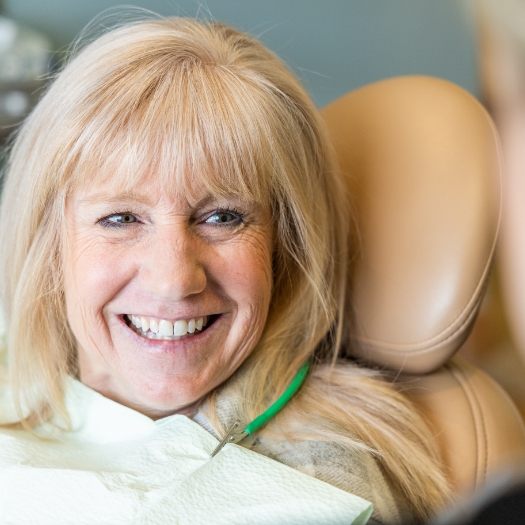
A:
(422, 161)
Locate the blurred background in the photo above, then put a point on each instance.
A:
(335, 46)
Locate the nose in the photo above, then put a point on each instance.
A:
(171, 266)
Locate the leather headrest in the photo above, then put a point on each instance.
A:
(422, 161)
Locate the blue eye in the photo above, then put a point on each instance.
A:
(225, 218)
(118, 220)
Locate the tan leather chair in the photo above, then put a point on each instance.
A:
(422, 161)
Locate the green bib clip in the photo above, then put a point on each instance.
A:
(234, 435)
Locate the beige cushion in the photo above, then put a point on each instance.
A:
(477, 427)
(422, 161)
(421, 156)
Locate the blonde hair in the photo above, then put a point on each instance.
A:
(184, 99)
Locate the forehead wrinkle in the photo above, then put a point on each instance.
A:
(202, 199)
(109, 197)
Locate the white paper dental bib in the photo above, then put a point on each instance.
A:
(120, 467)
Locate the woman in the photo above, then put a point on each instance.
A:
(181, 247)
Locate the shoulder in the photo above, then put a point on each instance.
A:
(355, 471)
(8, 412)
(293, 442)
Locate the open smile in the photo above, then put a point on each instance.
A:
(166, 330)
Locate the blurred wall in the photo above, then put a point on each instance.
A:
(333, 45)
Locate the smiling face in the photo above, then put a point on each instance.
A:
(166, 295)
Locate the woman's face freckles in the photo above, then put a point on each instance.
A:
(193, 274)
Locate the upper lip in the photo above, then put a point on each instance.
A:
(174, 318)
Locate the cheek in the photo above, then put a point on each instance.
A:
(93, 275)
(245, 274)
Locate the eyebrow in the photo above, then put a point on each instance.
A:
(135, 197)
(110, 198)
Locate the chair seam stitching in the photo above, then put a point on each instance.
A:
(479, 422)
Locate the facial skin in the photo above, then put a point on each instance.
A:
(164, 257)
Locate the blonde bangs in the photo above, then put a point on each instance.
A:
(199, 125)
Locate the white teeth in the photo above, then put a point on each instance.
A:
(163, 329)
(180, 328)
(154, 326)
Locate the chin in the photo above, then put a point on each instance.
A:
(158, 395)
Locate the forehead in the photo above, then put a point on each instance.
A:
(151, 192)
(186, 136)
(144, 164)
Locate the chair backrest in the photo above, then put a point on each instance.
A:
(422, 161)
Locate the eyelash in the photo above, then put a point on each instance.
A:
(239, 219)
(106, 223)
